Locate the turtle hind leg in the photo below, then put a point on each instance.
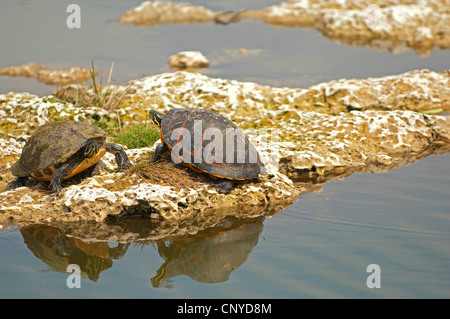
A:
(160, 150)
(121, 157)
(224, 186)
(18, 182)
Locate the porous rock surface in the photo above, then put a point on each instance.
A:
(394, 25)
(310, 135)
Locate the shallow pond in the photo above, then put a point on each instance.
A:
(318, 247)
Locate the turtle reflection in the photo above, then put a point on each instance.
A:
(209, 256)
(58, 250)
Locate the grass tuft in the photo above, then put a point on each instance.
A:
(98, 94)
(142, 134)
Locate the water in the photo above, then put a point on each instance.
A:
(319, 247)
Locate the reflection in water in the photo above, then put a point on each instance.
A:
(58, 250)
(208, 256)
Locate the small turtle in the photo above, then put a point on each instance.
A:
(227, 158)
(60, 150)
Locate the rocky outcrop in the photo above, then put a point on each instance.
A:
(151, 13)
(188, 61)
(303, 135)
(394, 25)
(49, 77)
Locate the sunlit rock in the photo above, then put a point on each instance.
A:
(49, 77)
(394, 25)
(188, 60)
(313, 135)
(150, 13)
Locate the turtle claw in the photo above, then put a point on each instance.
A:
(54, 195)
(122, 160)
(56, 187)
(125, 166)
(159, 150)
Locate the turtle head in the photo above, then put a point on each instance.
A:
(90, 148)
(156, 117)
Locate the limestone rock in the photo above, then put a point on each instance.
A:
(303, 135)
(151, 13)
(49, 77)
(188, 60)
(394, 25)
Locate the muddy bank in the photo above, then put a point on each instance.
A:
(309, 135)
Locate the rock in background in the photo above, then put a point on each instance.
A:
(55, 77)
(393, 25)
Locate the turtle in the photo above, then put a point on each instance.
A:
(208, 142)
(60, 150)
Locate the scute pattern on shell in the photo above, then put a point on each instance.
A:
(53, 143)
(195, 119)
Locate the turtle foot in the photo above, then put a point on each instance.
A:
(223, 186)
(125, 165)
(56, 187)
(18, 182)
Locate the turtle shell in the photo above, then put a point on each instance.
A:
(52, 144)
(208, 142)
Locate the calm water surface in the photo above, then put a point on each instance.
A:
(318, 247)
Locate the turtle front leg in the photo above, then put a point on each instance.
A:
(121, 157)
(160, 150)
(57, 178)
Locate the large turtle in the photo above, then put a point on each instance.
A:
(60, 150)
(210, 143)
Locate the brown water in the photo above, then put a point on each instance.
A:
(318, 247)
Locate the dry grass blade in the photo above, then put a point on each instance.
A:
(101, 95)
(162, 173)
